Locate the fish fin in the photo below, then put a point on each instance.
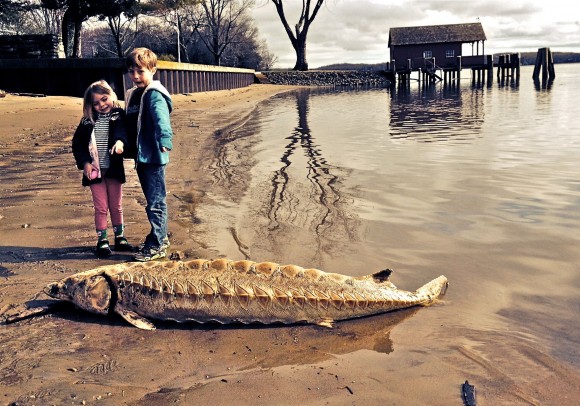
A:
(136, 320)
(326, 323)
(382, 276)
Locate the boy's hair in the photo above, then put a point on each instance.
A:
(141, 58)
(99, 87)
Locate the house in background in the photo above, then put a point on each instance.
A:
(437, 47)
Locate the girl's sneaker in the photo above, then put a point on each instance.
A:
(103, 249)
(121, 244)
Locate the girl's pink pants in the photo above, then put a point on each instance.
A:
(107, 197)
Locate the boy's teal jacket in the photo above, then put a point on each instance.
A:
(153, 124)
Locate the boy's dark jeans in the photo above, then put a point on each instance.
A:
(152, 179)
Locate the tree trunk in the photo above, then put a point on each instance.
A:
(71, 32)
(301, 64)
(301, 28)
(215, 50)
(77, 40)
(68, 32)
(115, 27)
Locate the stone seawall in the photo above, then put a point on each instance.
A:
(328, 78)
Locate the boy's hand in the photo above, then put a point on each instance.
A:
(165, 149)
(118, 147)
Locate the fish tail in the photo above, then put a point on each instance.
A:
(432, 290)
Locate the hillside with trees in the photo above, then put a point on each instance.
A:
(212, 32)
(527, 58)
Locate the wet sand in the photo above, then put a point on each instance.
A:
(70, 357)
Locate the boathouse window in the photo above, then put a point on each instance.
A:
(427, 54)
(450, 53)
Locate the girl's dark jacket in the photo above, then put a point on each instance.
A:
(82, 139)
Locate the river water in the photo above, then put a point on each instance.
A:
(479, 183)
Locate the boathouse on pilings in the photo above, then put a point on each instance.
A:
(436, 53)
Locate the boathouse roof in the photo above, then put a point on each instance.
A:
(434, 34)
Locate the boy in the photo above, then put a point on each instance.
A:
(148, 105)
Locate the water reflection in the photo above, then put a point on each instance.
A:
(305, 193)
(480, 183)
(436, 113)
(283, 186)
(544, 84)
(324, 185)
(231, 164)
(512, 80)
(317, 344)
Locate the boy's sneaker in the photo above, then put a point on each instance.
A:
(164, 245)
(150, 254)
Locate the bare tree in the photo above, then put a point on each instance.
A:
(221, 23)
(45, 20)
(267, 59)
(156, 37)
(121, 17)
(226, 31)
(298, 36)
(76, 12)
(244, 52)
(10, 16)
(174, 13)
(27, 17)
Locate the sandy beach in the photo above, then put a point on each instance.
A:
(71, 357)
(46, 228)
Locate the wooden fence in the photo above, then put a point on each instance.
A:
(70, 77)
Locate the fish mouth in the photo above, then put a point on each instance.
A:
(52, 290)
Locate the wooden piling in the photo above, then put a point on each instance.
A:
(544, 64)
(489, 64)
(508, 66)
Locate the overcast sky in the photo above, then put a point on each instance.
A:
(357, 31)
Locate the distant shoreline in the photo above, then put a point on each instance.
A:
(527, 58)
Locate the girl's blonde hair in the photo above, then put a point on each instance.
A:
(99, 87)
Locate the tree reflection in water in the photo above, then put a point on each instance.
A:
(284, 206)
(319, 206)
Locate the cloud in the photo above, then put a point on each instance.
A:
(357, 31)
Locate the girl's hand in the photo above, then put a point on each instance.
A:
(118, 148)
(88, 169)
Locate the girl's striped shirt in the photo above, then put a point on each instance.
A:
(102, 139)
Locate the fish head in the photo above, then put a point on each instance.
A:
(88, 292)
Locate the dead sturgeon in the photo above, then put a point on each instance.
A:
(235, 291)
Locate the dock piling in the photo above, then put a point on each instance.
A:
(544, 64)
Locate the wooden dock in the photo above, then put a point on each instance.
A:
(481, 67)
(431, 71)
(508, 67)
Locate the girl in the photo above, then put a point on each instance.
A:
(97, 146)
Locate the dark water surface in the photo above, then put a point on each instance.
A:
(480, 184)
